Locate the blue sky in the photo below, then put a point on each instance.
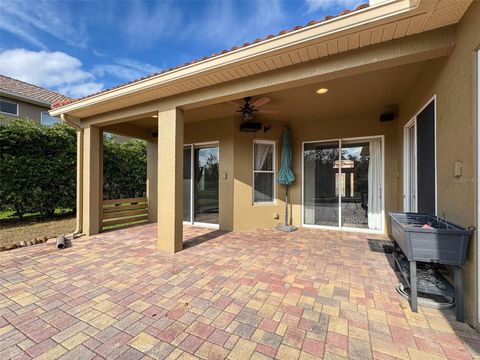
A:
(80, 47)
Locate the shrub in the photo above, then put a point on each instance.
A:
(124, 168)
(37, 167)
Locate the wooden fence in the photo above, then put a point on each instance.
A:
(123, 212)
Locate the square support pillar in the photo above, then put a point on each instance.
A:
(79, 183)
(170, 180)
(92, 179)
(152, 184)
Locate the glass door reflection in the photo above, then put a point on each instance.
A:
(355, 167)
(206, 185)
(187, 183)
(200, 184)
(321, 188)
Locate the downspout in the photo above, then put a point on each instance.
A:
(79, 216)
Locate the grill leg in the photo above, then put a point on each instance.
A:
(413, 286)
(458, 294)
(395, 256)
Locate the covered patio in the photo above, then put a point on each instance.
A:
(380, 105)
(259, 294)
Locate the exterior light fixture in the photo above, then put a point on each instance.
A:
(155, 116)
(322, 91)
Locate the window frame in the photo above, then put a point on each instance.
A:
(273, 171)
(10, 114)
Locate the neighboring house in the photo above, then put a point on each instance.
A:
(382, 104)
(20, 100)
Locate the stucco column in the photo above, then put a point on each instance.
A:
(92, 179)
(152, 184)
(79, 185)
(170, 180)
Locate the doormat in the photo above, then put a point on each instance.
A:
(381, 246)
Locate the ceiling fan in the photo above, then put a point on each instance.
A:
(248, 108)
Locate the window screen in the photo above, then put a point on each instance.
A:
(263, 171)
(7, 107)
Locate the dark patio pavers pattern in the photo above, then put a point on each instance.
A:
(258, 294)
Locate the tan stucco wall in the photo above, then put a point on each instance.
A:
(247, 215)
(25, 110)
(221, 131)
(452, 80)
(360, 125)
(237, 210)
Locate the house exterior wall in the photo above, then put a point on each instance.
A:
(221, 131)
(360, 125)
(237, 211)
(452, 80)
(25, 110)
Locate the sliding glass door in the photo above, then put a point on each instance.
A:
(321, 200)
(200, 185)
(206, 185)
(343, 183)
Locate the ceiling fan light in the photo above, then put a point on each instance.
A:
(322, 91)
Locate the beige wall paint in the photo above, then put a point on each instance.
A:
(221, 131)
(237, 210)
(25, 110)
(452, 80)
(170, 180)
(360, 125)
(92, 179)
(246, 214)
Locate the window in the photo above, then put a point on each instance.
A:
(49, 120)
(9, 108)
(263, 171)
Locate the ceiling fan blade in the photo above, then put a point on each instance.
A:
(268, 111)
(260, 102)
(234, 103)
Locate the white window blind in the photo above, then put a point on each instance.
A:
(263, 171)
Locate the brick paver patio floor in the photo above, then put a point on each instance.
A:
(259, 294)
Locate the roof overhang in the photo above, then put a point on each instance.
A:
(26, 99)
(377, 24)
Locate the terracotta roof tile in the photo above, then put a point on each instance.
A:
(256, 41)
(19, 88)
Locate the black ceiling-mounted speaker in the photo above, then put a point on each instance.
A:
(387, 116)
(250, 126)
(155, 134)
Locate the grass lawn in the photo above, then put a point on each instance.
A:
(13, 230)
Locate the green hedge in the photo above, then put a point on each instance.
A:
(124, 168)
(38, 167)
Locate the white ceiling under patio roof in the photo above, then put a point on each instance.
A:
(368, 92)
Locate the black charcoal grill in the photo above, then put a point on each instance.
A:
(428, 238)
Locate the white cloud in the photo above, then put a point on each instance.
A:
(53, 70)
(80, 90)
(148, 22)
(226, 23)
(314, 5)
(64, 73)
(31, 20)
(125, 69)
